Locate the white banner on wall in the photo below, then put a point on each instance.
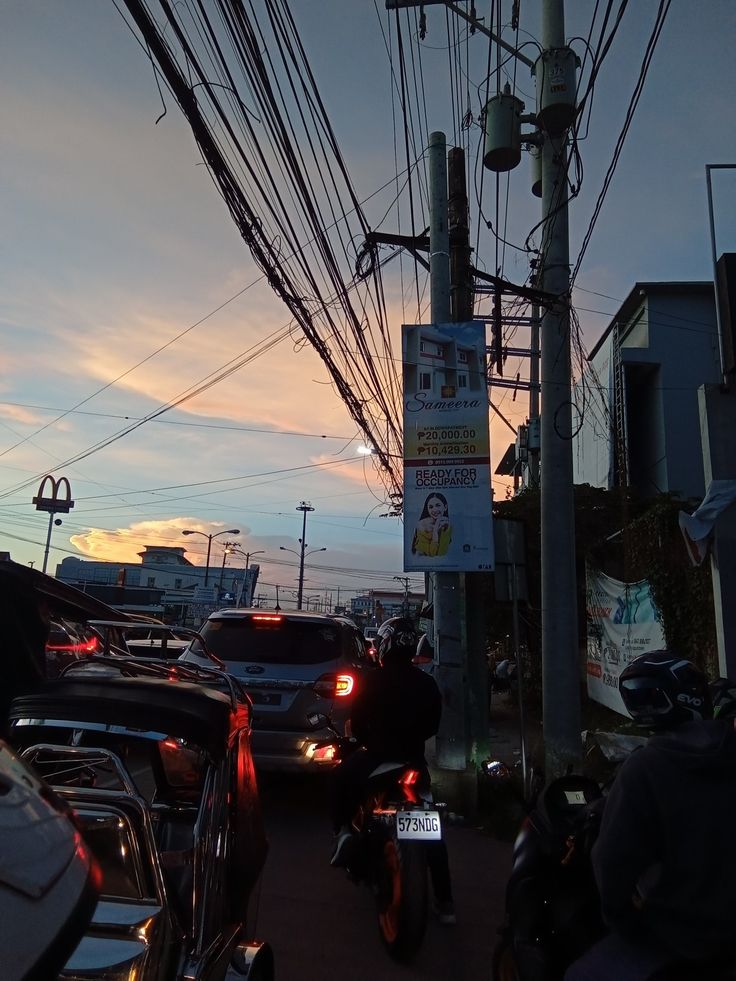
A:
(623, 623)
(447, 477)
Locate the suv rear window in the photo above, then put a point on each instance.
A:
(271, 640)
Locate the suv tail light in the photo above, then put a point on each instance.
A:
(334, 685)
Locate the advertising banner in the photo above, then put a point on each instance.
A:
(447, 478)
(623, 623)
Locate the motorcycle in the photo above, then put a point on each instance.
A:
(398, 831)
(553, 913)
(552, 906)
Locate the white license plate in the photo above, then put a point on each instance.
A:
(418, 825)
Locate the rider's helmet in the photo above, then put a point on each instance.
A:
(662, 690)
(397, 640)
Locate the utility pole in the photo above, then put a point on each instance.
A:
(447, 592)
(405, 603)
(304, 507)
(560, 667)
(470, 599)
(450, 741)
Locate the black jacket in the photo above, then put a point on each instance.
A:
(395, 710)
(669, 829)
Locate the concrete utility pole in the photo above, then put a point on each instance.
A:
(447, 592)
(561, 673)
(304, 507)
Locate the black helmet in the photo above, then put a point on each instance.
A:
(661, 690)
(397, 640)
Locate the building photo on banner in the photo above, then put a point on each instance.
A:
(447, 479)
(623, 622)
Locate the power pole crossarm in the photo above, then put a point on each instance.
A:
(474, 22)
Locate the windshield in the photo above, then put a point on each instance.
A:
(271, 640)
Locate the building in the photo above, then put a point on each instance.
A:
(439, 365)
(637, 406)
(179, 581)
(378, 605)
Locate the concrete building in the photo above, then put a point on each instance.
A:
(378, 605)
(439, 365)
(637, 405)
(167, 569)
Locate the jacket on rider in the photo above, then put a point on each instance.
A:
(396, 710)
(669, 833)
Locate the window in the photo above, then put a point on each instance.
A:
(462, 381)
(151, 581)
(177, 583)
(431, 349)
(425, 381)
(271, 640)
(462, 357)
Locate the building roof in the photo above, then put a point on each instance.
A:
(636, 297)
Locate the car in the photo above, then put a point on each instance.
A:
(154, 758)
(293, 664)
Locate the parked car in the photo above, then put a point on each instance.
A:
(293, 665)
(155, 760)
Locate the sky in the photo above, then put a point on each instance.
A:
(124, 281)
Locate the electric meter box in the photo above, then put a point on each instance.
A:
(556, 78)
(503, 132)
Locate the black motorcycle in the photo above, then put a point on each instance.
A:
(398, 832)
(553, 913)
(552, 905)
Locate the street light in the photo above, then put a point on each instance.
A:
(247, 555)
(227, 531)
(229, 547)
(302, 556)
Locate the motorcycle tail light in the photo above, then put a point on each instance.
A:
(90, 646)
(409, 778)
(325, 754)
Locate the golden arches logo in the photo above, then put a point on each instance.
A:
(59, 500)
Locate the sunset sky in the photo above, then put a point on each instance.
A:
(118, 249)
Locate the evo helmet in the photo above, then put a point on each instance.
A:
(661, 690)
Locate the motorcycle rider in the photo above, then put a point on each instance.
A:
(665, 855)
(396, 709)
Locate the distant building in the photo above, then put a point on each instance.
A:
(179, 582)
(378, 605)
(638, 408)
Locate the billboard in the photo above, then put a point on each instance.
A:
(623, 623)
(447, 476)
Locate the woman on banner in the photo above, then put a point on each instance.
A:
(433, 532)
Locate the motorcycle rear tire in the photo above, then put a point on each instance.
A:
(402, 897)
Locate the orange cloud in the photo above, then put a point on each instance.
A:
(125, 544)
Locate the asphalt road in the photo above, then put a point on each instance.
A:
(322, 926)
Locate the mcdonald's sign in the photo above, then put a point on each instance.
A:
(56, 498)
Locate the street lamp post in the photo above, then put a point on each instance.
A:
(302, 555)
(227, 531)
(261, 551)
(229, 547)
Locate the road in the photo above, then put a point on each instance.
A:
(322, 926)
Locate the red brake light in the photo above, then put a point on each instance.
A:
(344, 685)
(334, 685)
(267, 617)
(91, 645)
(325, 754)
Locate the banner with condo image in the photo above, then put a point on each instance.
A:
(623, 622)
(447, 477)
